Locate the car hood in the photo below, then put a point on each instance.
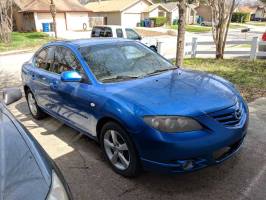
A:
(178, 92)
(21, 176)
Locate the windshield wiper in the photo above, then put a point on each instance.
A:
(160, 70)
(119, 78)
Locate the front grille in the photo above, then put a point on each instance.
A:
(229, 117)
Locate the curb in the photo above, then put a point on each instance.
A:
(16, 52)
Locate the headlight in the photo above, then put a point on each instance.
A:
(57, 190)
(172, 124)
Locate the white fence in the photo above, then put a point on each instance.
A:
(253, 53)
(192, 48)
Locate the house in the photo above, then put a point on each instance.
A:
(247, 9)
(173, 15)
(124, 12)
(173, 11)
(204, 11)
(191, 17)
(260, 13)
(29, 15)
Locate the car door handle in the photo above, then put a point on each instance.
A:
(54, 85)
(33, 76)
(43, 78)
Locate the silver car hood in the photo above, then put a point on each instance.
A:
(21, 176)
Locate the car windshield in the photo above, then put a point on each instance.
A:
(123, 61)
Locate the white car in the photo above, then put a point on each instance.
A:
(122, 32)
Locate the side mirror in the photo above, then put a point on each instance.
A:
(71, 76)
(139, 38)
(11, 95)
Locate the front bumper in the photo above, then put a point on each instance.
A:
(186, 152)
(193, 164)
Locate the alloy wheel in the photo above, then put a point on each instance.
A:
(116, 149)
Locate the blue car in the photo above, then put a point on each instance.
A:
(26, 171)
(145, 112)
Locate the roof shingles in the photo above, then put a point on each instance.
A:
(44, 6)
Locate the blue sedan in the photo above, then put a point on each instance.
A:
(145, 112)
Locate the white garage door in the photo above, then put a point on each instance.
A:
(131, 19)
(60, 22)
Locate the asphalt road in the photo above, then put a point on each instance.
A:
(90, 177)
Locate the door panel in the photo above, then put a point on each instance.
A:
(72, 99)
(41, 76)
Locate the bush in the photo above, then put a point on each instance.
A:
(159, 21)
(241, 17)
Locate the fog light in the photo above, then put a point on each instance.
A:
(186, 165)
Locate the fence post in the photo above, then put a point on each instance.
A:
(254, 47)
(159, 46)
(194, 47)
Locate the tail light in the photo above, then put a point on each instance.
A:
(264, 37)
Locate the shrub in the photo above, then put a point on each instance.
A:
(159, 21)
(241, 17)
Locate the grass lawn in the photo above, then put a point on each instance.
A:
(194, 28)
(237, 26)
(248, 76)
(257, 23)
(204, 29)
(25, 41)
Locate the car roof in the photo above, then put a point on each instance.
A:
(89, 42)
(112, 26)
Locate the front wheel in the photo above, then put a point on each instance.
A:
(119, 150)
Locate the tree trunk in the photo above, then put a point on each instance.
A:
(181, 33)
(53, 13)
(6, 20)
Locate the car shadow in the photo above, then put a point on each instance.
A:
(90, 177)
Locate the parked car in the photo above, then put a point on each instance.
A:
(263, 47)
(206, 23)
(27, 172)
(122, 32)
(144, 111)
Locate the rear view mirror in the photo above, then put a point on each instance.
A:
(71, 76)
(11, 95)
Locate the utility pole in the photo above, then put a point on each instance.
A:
(53, 13)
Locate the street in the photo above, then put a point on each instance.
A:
(90, 177)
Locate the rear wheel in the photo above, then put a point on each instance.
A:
(119, 150)
(35, 110)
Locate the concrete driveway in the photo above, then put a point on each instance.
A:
(90, 177)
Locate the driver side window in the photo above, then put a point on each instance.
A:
(65, 60)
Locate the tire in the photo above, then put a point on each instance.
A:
(35, 110)
(124, 153)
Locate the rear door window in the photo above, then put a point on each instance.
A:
(119, 33)
(101, 32)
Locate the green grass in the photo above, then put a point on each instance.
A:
(237, 26)
(248, 76)
(25, 41)
(194, 28)
(257, 23)
(205, 29)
